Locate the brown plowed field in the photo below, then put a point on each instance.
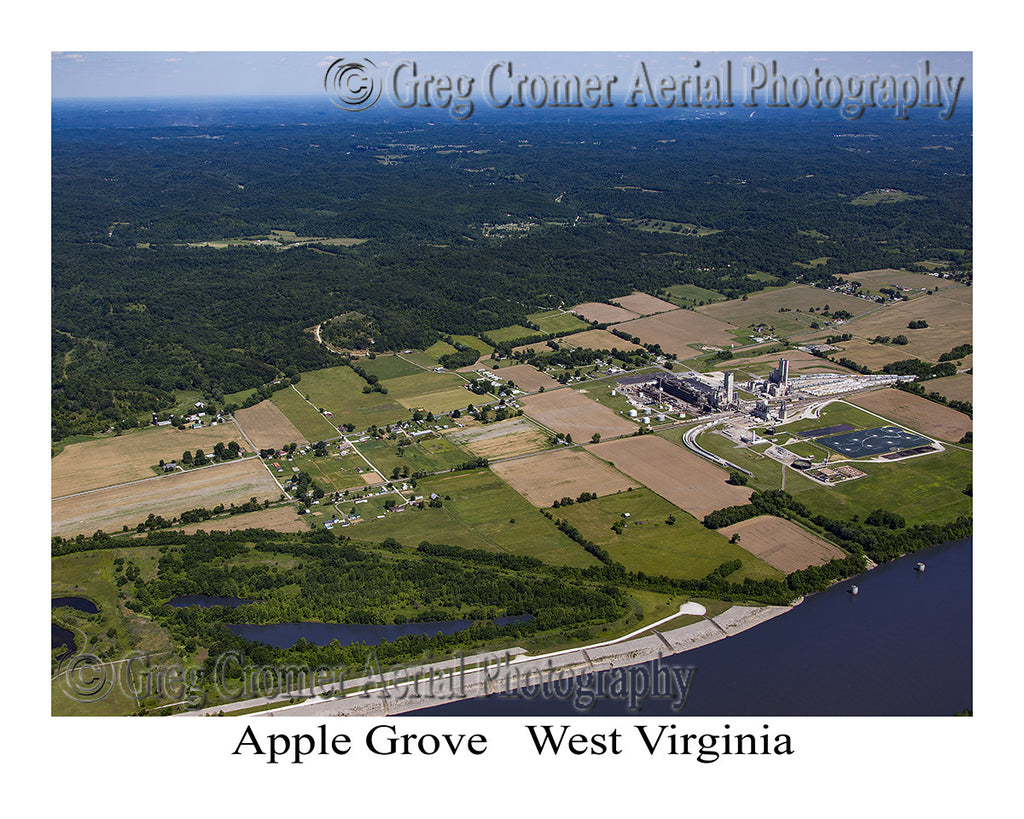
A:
(266, 426)
(675, 473)
(644, 304)
(527, 378)
(597, 340)
(543, 479)
(800, 363)
(602, 313)
(675, 331)
(916, 412)
(567, 411)
(781, 543)
(278, 519)
(959, 387)
(167, 496)
(110, 461)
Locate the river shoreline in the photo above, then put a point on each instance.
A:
(426, 686)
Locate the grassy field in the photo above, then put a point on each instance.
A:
(512, 333)
(557, 321)
(476, 343)
(339, 390)
(477, 511)
(111, 634)
(689, 295)
(648, 544)
(334, 473)
(423, 454)
(388, 366)
(305, 418)
(886, 196)
(438, 349)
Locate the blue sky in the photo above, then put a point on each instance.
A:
(83, 74)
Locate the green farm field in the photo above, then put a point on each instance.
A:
(421, 454)
(648, 544)
(305, 418)
(340, 390)
(477, 516)
(557, 321)
(511, 333)
(688, 295)
(432, 354)
(389, 366)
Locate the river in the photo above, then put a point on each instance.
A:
(902, 646)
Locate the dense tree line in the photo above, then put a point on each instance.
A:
(139, 316)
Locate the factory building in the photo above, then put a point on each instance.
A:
(780, 375)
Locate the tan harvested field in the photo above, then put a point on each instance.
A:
(644, 304)
(959, 387)
(800, 363)
(278, 519)
(964, 294)
(504, 439)
(603, 313)
(950, 324)
(543, 479)
(598, 340)
(567, 411)
(528, 378)
(916, 412)
(675, 473)
(764, 307)
(117, 506)
(266, 426)
(782, 544)
(128, 457)
(676, 330)
(887, 277)
(372, 478)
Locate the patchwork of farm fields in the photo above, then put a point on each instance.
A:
(567, 411)
(675, 473)
(130, 456)
(543, 479)
(115, 507)
(651, 491)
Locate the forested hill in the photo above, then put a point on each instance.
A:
(468, 227)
